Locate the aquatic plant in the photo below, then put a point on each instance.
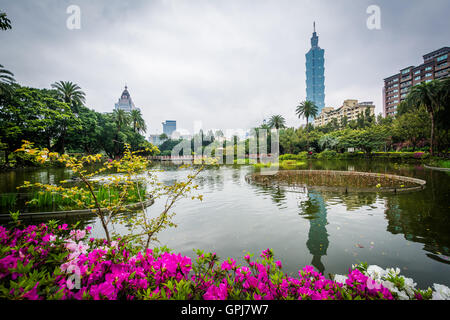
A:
(338, 179)
(126, 181)
(8, 200)
(79, 200)
(283, 164)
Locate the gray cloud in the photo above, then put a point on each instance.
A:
(228, 63)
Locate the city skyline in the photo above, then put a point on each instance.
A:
(229, 64)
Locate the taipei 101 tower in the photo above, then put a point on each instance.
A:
(315, 79)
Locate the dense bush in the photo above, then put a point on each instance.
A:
(327, 154)
(54, 262)
(301, 156)
(331, 154)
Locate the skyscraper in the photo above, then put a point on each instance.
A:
(169, 127)
(315, 79)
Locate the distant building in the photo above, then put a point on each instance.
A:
(315, 73)
(176, 135)
(350, 109)
(155, 140)
(125, 102)
(436, 65)
(169, 127)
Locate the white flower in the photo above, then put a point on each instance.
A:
(393, 272)
(441, 292)
(402, 295)
(389, 285)
(410, 285)
(340, 279)
(375, 272)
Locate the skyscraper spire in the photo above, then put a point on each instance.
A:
(315, 38)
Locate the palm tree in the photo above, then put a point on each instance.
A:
(5, 23)
(137, 121)
(277, 122)
(307, 109)
(6, 80)
(121, 119)
(429, 95)
(70, 93)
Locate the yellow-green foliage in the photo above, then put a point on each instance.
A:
(284, 164)
(125, 184)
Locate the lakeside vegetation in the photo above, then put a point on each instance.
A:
(57, 201)
(58, 262)
(58, 120)
(421, 125)
(55, 261)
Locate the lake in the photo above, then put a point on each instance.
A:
(328, 230)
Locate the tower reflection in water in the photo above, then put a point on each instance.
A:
(315, 211)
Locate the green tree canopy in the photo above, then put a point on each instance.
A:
(277, 122)
(307, 109)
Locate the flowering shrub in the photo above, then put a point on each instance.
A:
(402, 288)
(57, 262)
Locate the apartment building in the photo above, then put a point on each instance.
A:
(350, 108)
(436, 65)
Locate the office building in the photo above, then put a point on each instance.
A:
(315, 78)
(169, 127)
(125, 102)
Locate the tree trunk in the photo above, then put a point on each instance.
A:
(432, 134)
(6, 156)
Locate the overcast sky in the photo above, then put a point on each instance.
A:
(227, 63)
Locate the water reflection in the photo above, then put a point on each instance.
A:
(410, 229)
(418, 222)
(314, 209)
(276, 193)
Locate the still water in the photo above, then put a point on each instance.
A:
(328, 230)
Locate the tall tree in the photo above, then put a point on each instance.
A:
(277, 122)
(33, 115)
(121, 119)
(307, 109)
(429, 95)
(137, 121)
(6, 80)
(70, 93)
(411, 126)
(5, 23)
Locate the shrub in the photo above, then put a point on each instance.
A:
(57, 262)
(301, 156)
(327, 154)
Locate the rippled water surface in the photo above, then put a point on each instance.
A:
(328, 230)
